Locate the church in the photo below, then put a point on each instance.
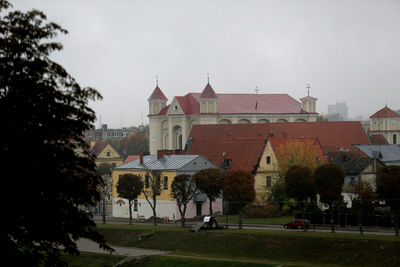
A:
(170, 125)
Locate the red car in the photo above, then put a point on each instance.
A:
(297, 224)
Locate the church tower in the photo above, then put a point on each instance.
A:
(157, 101)
(309, 103)
(208, 100)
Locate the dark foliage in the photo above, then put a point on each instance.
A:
(183, 189)
(44, 114)
(129, 186)
(388, 188)
(153, 190)
(299, 183)
(210, 182)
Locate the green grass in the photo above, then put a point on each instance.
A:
(235, 219)
(161, 261)
(286, 246)
(87, 259)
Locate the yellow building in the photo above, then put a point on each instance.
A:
(170, 166)
(386, 122)
(105, 153)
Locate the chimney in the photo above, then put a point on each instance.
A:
(141, 157)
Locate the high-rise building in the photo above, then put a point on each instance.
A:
(338, 112)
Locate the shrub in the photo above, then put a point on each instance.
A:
(261, 211)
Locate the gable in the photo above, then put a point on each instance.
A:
(175, 108)
(197, 164)
(108, 152)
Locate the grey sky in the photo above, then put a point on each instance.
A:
(347, 50)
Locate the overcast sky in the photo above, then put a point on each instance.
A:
(347, 50)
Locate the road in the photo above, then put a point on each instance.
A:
(322, 229)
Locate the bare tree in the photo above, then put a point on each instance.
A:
(152, 189)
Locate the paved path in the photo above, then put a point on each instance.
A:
(90, 246)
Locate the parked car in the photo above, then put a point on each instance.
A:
(297, 224)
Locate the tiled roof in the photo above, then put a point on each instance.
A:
(244, 153)
(166, 162)
(385, 113)
(98, 147)
(242, 104)
(388, 152)
(131, 158)
(332, 135)
(378, 139)
(158, 95)
(208, 92)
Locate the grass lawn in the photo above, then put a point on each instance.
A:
(286, 246)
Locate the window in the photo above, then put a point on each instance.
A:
(227, 163)
(135, 205)
(159, 182)
(165, 182)
(268, 160)
(90, 134)
(146, 181)
(113, 165)
(268, 181)
(198, 209)
(394, 139)
(108, 153)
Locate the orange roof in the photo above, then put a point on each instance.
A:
(332, 135)
(385, 113)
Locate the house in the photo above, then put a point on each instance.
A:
(333, 136)
(357, 169)
(170, 166)
(388, 154)
(263, 157)
(386, 122)
(170, 125)
(105, 153)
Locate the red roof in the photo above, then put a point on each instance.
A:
(208, 92)
(378, 139)
(242, 104)
(245, 153)
(98, 147)
(158, 95)
(332, 135)
(385, 113)
(131, 158)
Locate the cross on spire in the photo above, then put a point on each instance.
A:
(256, 90)
(157, 80)
(308, 89)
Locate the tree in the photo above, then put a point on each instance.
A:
(388, 188)
(210, 182)
(152, 189)
(329, 180)
(362, 197)
(132, 145)
(239, 188)
(299, 185)
(105, 170)
(299, 152)
(129, 186)
(46, 114)
(183, 189)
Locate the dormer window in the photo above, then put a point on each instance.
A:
(227, 163)
(176, 107)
